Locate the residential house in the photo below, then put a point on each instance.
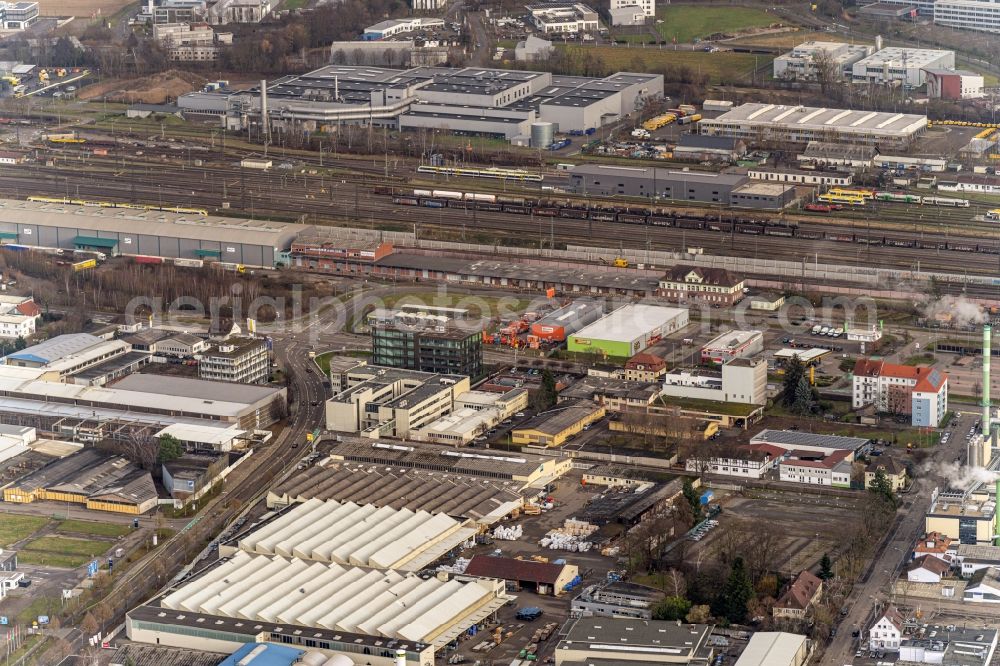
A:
(927, 569)
(644, 367)
(18, 315)
(893, 470)
(919, 392)
(984, 586)
(887, 632)
(753, 461)
(800, 596)
(715, 286)
(937, 545)
(818, 469)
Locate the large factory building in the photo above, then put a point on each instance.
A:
(123, 231)
(479, 101)
(757, 123)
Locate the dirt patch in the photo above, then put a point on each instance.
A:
(157, 89)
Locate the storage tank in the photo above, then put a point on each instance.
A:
(543, 134)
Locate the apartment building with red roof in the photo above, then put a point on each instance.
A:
(919, 392)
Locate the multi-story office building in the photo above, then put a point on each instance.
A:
(968, 14)
(568, 17)
(431, 343)
(242, 360)
(391, 402)
(18, 15)
(807, 60)
(647, 7)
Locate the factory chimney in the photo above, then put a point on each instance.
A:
(996, 514)
(987, 354)
(265, 120)
(878, 43)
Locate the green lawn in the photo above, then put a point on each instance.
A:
(920, 359)
(323, 361)
(92, 528)
(40, 605)
(686, 23)
(62, 552)
(719, 67)
(14, 528)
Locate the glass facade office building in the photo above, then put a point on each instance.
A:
(450, 351)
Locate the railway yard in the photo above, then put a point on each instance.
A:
(354, 192)
(615, 387)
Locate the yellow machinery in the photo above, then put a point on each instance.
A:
(619, 262)
(11, 79)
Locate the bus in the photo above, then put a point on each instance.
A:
(843, 199)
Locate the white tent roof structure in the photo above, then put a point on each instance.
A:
(346, 533)
(340, 598)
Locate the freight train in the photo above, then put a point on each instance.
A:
(658, 217)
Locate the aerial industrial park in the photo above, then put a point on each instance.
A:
(435, 332)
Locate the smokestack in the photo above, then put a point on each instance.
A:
(265, 121)
(987, 354)
(996, 514)
(878, 42)
(401, 654)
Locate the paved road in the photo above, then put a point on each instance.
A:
(888, 562)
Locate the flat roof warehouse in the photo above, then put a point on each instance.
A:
(147, 232)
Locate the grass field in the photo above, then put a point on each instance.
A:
(323, 361)
(65, 552)
(42, 605)
(688, 22)
(92, 528)
(787, 40)
(719, 67)
(14, 528)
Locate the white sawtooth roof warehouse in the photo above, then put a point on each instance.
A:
(360, 535)
(341, 598)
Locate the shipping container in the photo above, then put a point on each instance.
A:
(189, 263)
(251, 163)
(144, 259)
(85, 264)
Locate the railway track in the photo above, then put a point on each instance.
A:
(325, 200)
